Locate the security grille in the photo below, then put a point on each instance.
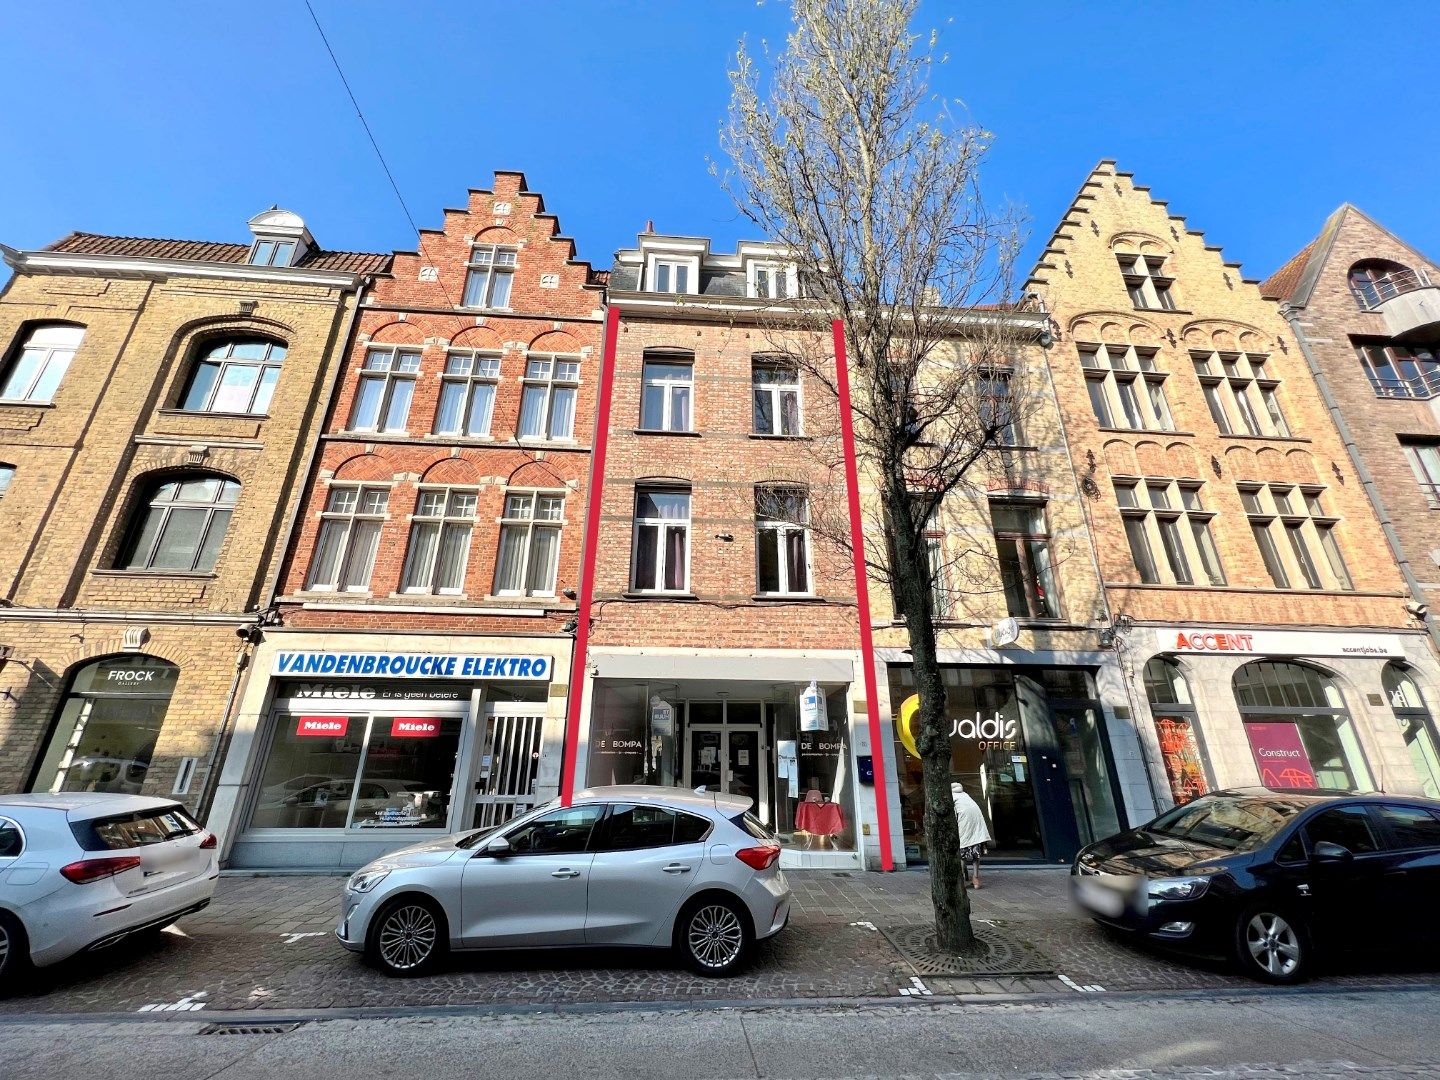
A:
(507, 771)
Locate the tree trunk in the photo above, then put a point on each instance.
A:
(911, 574)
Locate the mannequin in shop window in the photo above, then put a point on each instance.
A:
(818, 817)
(974, 833)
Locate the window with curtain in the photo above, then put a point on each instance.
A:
(1126, 388)
(1239, 386)
(38, 363)
(467, 394)
(775, 390)
(235, 375)
(529, 543)
(660, 555)
(782, 541)
(547, 404)
(1022, 543)
(489, 276)
(665, 398)
(387, 383)
(349, 539)
(1170, 517)
(1296, 536)
(181, 525)
(439, 541)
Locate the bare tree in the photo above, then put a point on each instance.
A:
(840, 152)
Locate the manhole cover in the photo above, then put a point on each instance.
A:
(247, 1029)
(999, 954)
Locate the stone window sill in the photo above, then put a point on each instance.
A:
(151, 575)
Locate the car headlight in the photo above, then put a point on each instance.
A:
(365, 880)
(1180, 888)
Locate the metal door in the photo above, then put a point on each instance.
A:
(509, 762)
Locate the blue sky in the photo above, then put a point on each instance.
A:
(164, 118)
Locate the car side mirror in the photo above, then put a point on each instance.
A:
(1327, 852)
(497, 848)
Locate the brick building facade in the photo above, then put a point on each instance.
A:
(157, 405)
(1365, 307)
(416, 681)
(1233, 535)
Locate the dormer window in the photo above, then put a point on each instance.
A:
(771, 281)
(272, 253)
(670, 276)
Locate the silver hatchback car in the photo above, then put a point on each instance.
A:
(645, 866)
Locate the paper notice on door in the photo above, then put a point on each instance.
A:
(787, 766)
(744, 758)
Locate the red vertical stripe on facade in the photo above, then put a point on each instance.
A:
(594, 497)
(862, 596)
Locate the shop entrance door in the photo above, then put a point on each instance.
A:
(509, 761)
(732, 759)
(1050, 779)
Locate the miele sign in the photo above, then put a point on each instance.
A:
(1197, 639)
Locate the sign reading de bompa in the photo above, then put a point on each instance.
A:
(412, 665)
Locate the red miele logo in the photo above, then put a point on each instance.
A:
(414, 727)
(323, 726)
(1202, 642)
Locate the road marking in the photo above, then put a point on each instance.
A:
(291, 939)
(864, 925)
(919, 989)
(1093, 988)
(188, 1003)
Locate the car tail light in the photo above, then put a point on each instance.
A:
(88, 870)
(209, 842)
(759, 858)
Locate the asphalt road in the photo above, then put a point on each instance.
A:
(1311, 1034)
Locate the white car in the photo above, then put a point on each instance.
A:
(80, 871)
(643, 866)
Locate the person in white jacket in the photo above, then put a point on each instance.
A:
(974, 833)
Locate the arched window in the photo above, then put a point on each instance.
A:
(104, 737)
(1174, 713)
(39, 362)
(1416, 726)
(180, 525)
(234, 375)
(1376, 280)
(1300, 732)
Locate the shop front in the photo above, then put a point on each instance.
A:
(779, 742)
(354, 752)
(1330, 710)
(1029, 744)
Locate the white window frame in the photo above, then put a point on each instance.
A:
(349, 518)
(531, 522)
(490, 261)
(1111, 371)
(137, 561)
(667, 411)
(776, 273)
(445, 520)
(463, 369)
(1294, 519)
(1145, 280)
(661, 526)
(1155, 503)
(775, 392)
(1228, 379)
(396, 370)
(273, 251)
(57, 349)
(549, 382)
(7, 477)
(205, 355)
(1424, 458)
(780, 530)
(689, 263)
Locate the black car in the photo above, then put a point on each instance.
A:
(1271, 877)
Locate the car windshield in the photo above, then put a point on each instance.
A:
(1233, 823)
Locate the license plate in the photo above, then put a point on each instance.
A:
(1099, 897)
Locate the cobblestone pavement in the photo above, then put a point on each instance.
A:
(265, 942)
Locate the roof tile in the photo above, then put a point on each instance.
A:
(143, 247)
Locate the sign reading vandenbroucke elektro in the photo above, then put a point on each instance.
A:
(411, 665)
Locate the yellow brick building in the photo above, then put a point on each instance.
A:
(158, 400)
(1256, 605)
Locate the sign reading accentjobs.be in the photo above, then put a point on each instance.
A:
(411, 665)
(1202, 639)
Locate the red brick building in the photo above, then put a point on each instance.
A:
(417, 682)
(1365, 308)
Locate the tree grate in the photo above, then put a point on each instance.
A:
(246, 1029)
(999, 954)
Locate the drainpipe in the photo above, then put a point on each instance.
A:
(251, 633)
(1367, 481)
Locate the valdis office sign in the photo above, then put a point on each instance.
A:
(379, 665)
(1199, 639)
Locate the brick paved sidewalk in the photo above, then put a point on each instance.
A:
(265, 942)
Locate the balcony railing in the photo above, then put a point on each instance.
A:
(1371, 294)
(1419, 386)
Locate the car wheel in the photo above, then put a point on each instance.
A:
(408, 937)
(714, 936)
(14, 951)
(1272, 945)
